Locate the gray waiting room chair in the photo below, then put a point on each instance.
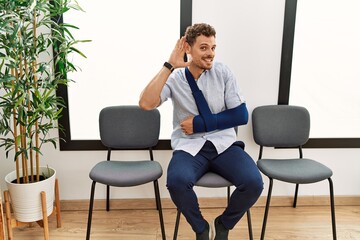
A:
(213, 180)
(127, 128)
(284, 126)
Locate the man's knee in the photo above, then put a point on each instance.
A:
(255, 186)
(178, 183)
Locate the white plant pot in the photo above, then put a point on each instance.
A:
(26, 198)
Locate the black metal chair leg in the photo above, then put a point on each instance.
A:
(107, 198)
(158, 205)
(332, 203)
(228, 195)
(249, 225)
(296, 194)
(266, 210)
(177, 222)
(90, 210)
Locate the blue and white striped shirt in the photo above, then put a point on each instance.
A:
(221, 92)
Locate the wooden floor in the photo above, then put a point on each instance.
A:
(284, 223)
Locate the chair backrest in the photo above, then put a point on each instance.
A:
(281, 125)
(129, 127)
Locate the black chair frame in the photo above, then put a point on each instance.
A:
(157, 197)
(266, 213)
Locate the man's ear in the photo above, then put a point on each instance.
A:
(187, 48)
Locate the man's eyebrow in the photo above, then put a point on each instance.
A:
(206, 44)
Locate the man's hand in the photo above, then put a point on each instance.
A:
(177, 56)
(187, 125)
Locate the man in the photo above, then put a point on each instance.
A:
(204, 140)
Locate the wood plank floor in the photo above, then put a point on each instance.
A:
(284, 223)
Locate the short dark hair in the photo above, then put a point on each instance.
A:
(192, 32)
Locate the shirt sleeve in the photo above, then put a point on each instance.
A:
(233, 95)
(166, 91)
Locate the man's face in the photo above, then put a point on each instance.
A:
(203, 52)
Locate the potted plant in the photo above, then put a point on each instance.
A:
(29, 109)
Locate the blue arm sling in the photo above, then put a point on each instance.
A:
(206, 121)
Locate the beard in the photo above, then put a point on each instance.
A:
(205, 63)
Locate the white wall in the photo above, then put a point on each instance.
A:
(249, 37)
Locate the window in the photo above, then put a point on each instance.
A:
(130, 42)
(319, 68)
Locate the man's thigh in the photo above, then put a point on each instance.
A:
(185, 168)
(235, 165)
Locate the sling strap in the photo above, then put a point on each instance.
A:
(202, 105)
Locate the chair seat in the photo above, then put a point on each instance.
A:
(212, 180)
(294, 170)
(125, 173)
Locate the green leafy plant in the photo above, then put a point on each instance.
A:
(30, 31)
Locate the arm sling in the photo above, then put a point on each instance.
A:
(206, 121)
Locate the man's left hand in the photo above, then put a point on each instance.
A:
(187, 125)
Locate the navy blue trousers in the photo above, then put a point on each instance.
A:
(234, 164)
